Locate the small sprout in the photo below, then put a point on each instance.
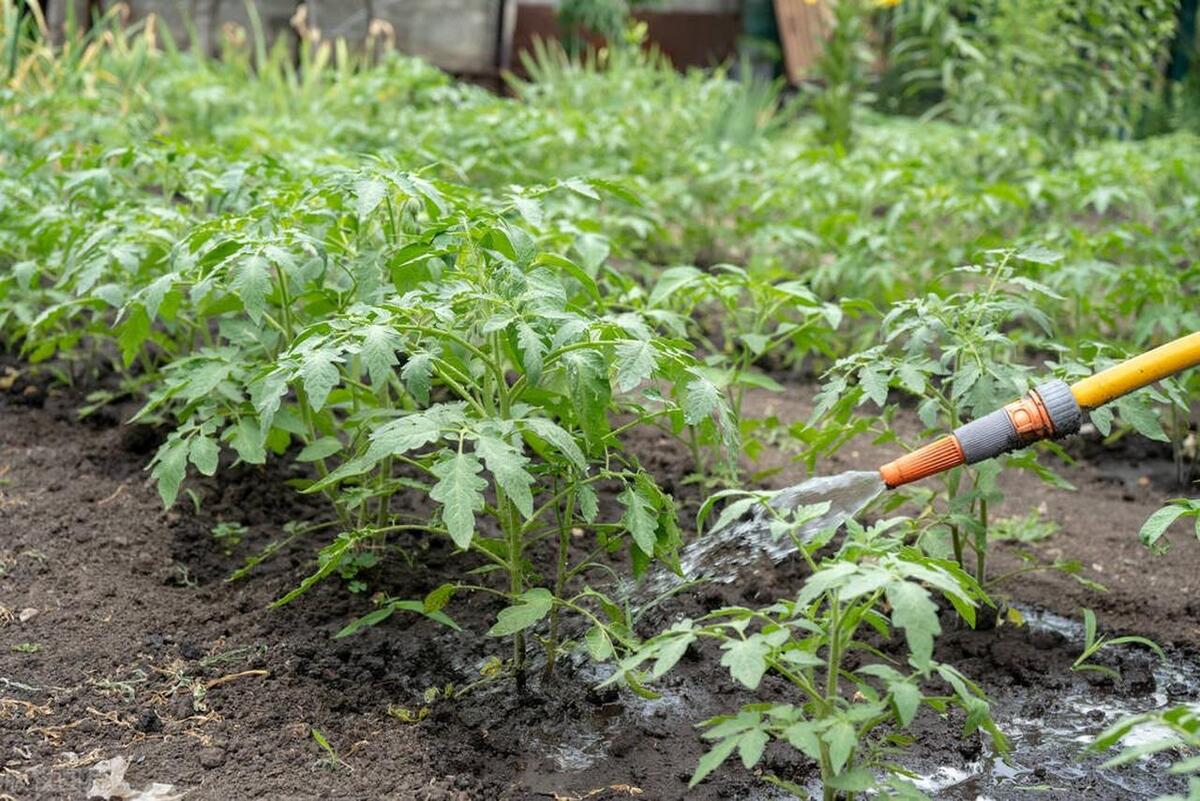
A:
(1093, 643)
(27, 648)
(406, 715)
(229, 535)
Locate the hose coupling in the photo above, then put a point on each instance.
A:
(1048, 411)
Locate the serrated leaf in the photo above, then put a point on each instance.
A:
(460, 491)
(916, 613)
(417, 374)
(875, 385)
(1038, 254)
(589, 504)
(746, 660)
(639, 519)
(1141, 417)
(205, 453)
(670, 654)
(532, 606)
(408, 433)
(636, 362)
(169, 468)
(702, 399)
(507, 466)
(378, 352)
(369, 193)
(320, 376)
(252, 284)
(247, 440)
(558, 437)
(841, 738)
(751, 746)
(713, 759)
(911, 378)
(532, 351)
(529, 209)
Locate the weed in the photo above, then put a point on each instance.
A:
(1093, 643)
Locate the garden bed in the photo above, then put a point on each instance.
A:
(133, 645)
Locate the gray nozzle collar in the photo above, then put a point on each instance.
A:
(1061, 406)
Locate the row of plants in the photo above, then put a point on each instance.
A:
(458, 321)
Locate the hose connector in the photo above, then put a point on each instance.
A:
(1048, 411)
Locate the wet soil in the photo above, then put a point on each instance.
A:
(119, 636)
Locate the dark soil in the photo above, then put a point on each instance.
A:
(120, 636)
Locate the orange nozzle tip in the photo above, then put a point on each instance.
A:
(935, 457)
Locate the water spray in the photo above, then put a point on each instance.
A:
(1052, 410)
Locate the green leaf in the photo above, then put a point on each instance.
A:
(1038, 254)
(398, 437)
(589, 504)
(563, 442)
(875, 384)
(907, 699)
(572, 269)
(1143, 419)
(639, 519)
(532, 606)
(671, 280)
(803, 737)
(329, 559)
(703, 399)
(911, 378)
(599, 645)
(378, 352)
(460, 491)
(746, 660)
(636, 362)
(418, 376)
(132, 333)
(532, 351)
(168, 469)
(916, 613)
(507, 465)
(319, 449)
(437, 598)
(320, 376)
(670, 654)
(205, 453)
(252, 284)
(713, 759)
(247, 441)
(857, 780)
(751, 746)
(369, 193)
(841, 738)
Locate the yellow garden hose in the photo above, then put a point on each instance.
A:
(1151, 366)
(1050, 410)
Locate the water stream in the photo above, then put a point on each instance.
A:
(722, 555)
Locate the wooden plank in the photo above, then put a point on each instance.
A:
(804, 25)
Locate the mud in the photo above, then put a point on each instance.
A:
(132, 644)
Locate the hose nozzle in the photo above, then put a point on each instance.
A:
(1049, 410)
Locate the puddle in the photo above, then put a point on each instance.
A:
(1048, 743)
